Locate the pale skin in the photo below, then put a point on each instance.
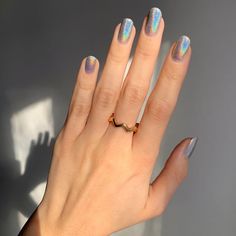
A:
(99, 179)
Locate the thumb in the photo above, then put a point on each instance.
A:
(174, 172)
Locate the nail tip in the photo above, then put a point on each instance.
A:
(191, 146)
(194, 140)
(156, 9)
(127, 19)
(92, 57)
(187, 38)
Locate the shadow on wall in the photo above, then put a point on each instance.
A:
(16, 188)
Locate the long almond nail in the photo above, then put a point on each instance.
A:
(181, 47)
(153, 20)
(90, 64)
(125, 30)
(188, 151)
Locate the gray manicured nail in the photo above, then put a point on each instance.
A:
(181, 47)
(125, 30)
(188, 151)
(90, 64)
(153, 20)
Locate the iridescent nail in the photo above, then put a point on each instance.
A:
(125, 30)
(181, 47)
(90, 64)
(188, 151)
(153, 20)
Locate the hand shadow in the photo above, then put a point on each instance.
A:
(16, 189)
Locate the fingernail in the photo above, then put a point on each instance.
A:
(153, 20)
(181, 47)
(125, 30)
(90, 64)
(188, 151)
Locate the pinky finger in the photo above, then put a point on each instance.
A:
(164, 186)
(82, 96)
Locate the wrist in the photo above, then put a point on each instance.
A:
(32, 226)
(39, 225)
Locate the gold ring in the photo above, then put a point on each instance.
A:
(123, 125)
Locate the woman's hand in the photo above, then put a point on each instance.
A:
(99, 180)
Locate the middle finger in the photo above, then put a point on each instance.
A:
(139, 76)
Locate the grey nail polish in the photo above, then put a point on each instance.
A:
(125, 30)
(153, 20)
(90, 64)
(181, 48)
(188, 151)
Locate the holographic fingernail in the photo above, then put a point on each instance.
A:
(181, 47)
(153, 20)
(125, 30)
(188, 151)
(90, 64)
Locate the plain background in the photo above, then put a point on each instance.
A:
(42, 44)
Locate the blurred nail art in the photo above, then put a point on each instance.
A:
(125, 30)
(153, 21)
(90, 64)
(181, 47)
(190, 147)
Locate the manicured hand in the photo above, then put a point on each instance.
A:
(99, 180)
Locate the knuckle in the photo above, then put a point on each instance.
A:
(159, 109)
(58, 141)
(116, 56)
(85, 84)
(105, 97)
(156, 209)
(145, 52)
(160, 209)
(134, 94)
(63, 142)
(170, 74)
(80, 109)
(179, 176)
